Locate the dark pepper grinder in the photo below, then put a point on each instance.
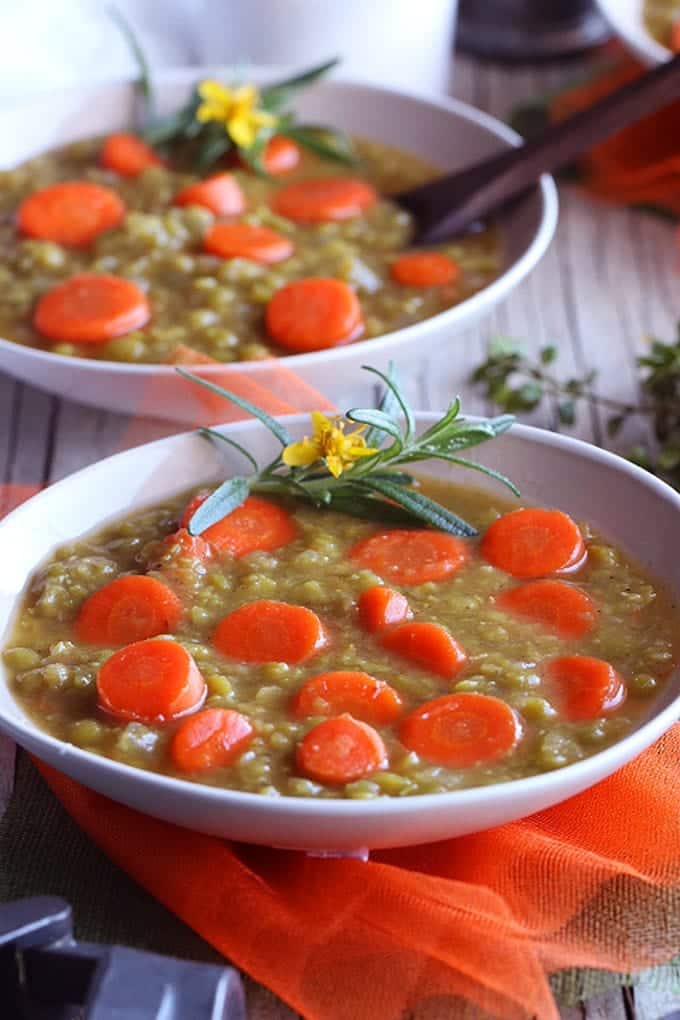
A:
(529, 29)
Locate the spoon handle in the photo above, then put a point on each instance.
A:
(446, 206)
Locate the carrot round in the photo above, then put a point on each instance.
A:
(220, 193)
(127, 155)
(347, 691)
(281, 155)
(150, 681)
(381, 607)
(185, 544)
(322, 199)
(584, 687)
(72, 213)
(314, 314)
(210, 739)
(243, 241)
(268, 631)
(427, 645)
(91, 308)
(534, 542)
(256, 524)
(559, 606)
(424, 269)
(128, 609)
(460, 730)
(340, 751)
(411, 557)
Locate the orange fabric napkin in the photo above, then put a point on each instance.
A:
(480, 920)
(640, 166)
(452, 928)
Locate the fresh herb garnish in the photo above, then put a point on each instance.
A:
(355, 470)
(241, 119)
(514, 381)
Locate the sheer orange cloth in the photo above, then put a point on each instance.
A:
(466, 928)
(639, 166)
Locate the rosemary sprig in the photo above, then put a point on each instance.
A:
(359, 472)
(212, 124)
(516, 382)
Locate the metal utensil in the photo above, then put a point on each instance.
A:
(448, 205)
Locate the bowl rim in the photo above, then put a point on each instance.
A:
(653, 726)
(547, 195)
(634, 34)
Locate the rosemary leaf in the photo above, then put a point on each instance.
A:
(392, 384)
(130, 36)
(275, 97)
(421, 507)
(475, 466)
(275, 427)
(219, 504)
(214, 434)
(324, 142)
(379, 422)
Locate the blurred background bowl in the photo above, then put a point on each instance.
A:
(447, 133)
(627, 19)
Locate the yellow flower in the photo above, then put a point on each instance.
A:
(330, 444)
(237, 109)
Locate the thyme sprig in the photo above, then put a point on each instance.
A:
(359, 472)
(516, 382)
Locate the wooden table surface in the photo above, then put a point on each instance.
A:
(609, 280)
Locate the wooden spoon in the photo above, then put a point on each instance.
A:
(445, 207)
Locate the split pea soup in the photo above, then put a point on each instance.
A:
(294, 652)
(135, 260)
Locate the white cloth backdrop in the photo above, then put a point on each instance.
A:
(45, 44)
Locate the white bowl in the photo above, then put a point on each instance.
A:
(627, 19)
(632, 508)
(448, 133)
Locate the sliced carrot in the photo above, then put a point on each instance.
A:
(424, 269)
(318, 200)
(340, 751)
(411, 557)
(381, 607)
(256, 524)
(183, 355)
(460, 730)
(128, 609)
(127, 155)
(72, 213)
(243, 241)
(559, 606)
(210, 739)
(221, 194)
(268, 631)
(185, 544)
(281, 155)
(583, 687)
(91, 308)
(313, 314)
(534, 542)
(360, 694)
(151, 681)
(427, 645)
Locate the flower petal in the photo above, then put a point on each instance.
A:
(334, 464)
(241, 130)
(215, 92)
(320, 423)
(301, 454)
